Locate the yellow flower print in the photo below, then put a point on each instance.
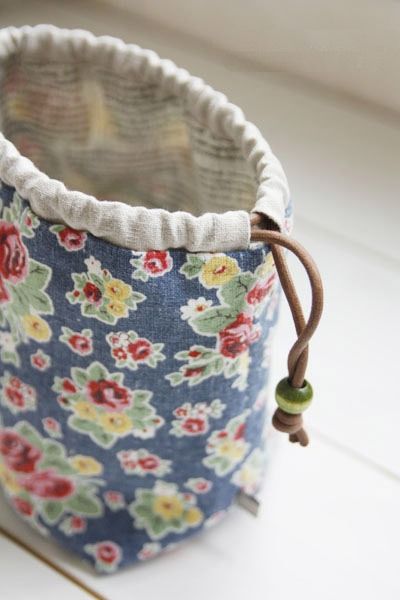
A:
(36, 328)
(85, 410)
(9, 480)
(116, 423)
(117, 290)
(247, 476)
(118, 309)
(232, 449)
(218, 270)
(86, 465)
(168, 507)
(244, 362)
(193, 516)
(266, 266)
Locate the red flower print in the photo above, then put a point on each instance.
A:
(19, 455)
(260, 290)
(193, 372)
(194, 353)
(38, 361)
(108, 394)
(92, 292)
(51, 424)
(13, 254)
(203, 486)
(71, 239)
(23, 506)
(107, 552)
(180, 412)
(47, 484)
(69, 386)
(80, 343)
(15, 382)
(4, 295)
(113, 496)
(155, 262)
(14, 396)
(238, 336)
(77, 523)
(120, 353)
(149, 463)
(139, 349)
(239, 433)
(194, 426)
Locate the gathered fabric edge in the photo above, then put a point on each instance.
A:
(140, 228)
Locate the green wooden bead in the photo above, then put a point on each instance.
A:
(293, 400)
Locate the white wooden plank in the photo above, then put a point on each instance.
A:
(23, 576)
(328, 529)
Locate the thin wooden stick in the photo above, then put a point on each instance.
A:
(41, 557)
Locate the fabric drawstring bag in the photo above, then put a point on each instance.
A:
(136, 313)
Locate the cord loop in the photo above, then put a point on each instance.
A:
(293, 393)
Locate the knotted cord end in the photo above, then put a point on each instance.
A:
(291, 424)
(292, 401)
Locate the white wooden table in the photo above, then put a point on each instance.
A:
(329, 525)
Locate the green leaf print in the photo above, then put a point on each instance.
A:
(234, 292)
(193, 266)
(29, 433)
(214, 320)
(38, 276)
(52, 511)
(84, 503)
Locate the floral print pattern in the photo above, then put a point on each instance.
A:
(132, 385)
(130, 351)
(107, 555)
(242, 297)
(249, 476)
(227, 447)
(199, 485)
(151, 264)
(52, 427)
(114, 500)
(194, 419)
(69, 238)
(16, 395)
(23, 283)
(141, 462)
(41, 479)
(73, 525)
(101, 295)
(165, 509)
(40, 360)
(79, 342)
(104, 408)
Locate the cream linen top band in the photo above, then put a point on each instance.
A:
(138, 227)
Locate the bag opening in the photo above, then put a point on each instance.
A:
(123, 126)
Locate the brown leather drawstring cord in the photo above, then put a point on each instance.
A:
(294, 393)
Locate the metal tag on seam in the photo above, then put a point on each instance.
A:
(249, 503)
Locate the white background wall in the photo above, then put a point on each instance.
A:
(352, 46)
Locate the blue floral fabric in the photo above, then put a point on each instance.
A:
(132, 385)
